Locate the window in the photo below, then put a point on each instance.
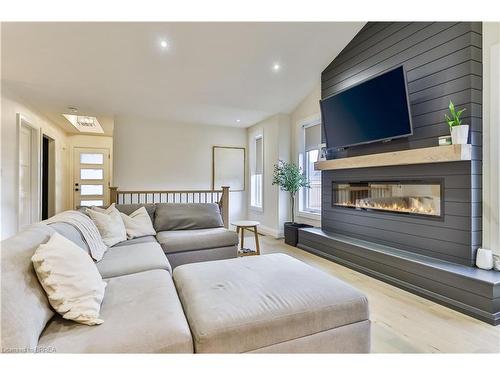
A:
(310, 199)
(257, 173)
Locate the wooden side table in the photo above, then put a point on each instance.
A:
(251, 226)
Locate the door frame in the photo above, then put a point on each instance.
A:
(74, 171)
(51, 196)
(36, 193)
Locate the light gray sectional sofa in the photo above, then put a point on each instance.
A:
(187, 232)
(269, 303)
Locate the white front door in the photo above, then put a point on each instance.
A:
(91, 177)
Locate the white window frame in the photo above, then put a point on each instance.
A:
(303, 125)
(255, 137)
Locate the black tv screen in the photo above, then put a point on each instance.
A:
(374, 110)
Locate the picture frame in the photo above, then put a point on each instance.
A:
(229, 167)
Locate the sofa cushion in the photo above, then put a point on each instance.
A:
(25, 308)
(110, 224)
(185, 240)
(138, 224)
(142, 314)
(127, 209)
(70, 278)
(140, 257)
(71, 233)
(243, 304)
(181, 216)
(137, 240)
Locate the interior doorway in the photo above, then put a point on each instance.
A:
(48, 177)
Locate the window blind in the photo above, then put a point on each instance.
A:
(312, 135)
(259, 156)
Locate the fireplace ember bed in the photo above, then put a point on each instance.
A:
(422, 198)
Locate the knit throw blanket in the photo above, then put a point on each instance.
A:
(86, 227)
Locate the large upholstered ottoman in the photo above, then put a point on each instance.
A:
(271, 304)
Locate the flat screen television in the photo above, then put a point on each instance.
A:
(371, 111)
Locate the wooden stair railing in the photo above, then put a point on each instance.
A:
(221, 197)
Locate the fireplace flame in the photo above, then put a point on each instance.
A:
(415, 205)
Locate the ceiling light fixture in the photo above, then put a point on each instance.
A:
(276, 67)
(87, 124)
(163, 44)
(238, 120)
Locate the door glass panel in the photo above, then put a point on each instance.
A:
(91, 190)
(91, 158)
(91, 174)
(90, 203)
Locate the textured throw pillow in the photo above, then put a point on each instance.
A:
(109, 223)
(138, 224)
(71, 280)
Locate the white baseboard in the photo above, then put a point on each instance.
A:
(270, 231)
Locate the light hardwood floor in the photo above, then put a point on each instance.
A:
(401, 321)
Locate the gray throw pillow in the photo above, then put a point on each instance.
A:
(181, 216)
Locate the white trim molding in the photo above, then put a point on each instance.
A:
(36, 177)
(491, 137)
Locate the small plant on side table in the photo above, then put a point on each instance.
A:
(459, 132)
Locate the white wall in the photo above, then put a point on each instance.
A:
(275, 204)
(11, 106)
(152, 154)
(491, 136)
(307, 110)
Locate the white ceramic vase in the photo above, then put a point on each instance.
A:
(484, 259)
(459, 134)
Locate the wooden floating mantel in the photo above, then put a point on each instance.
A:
(438, 154)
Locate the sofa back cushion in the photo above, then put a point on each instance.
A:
(71, 233)
(127, 209)
(25, 308)
(180, 216)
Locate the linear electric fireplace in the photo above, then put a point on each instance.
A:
(422, 198)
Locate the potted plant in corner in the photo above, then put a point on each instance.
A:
(459, 132)
(289, 178)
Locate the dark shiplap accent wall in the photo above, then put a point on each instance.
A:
(453, 238)
(443, 62)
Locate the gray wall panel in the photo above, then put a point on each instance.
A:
(443, 63)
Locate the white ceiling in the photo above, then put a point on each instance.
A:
(211, 73)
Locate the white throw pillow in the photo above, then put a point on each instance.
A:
(138, 224)
(70, 278)
(109, 223)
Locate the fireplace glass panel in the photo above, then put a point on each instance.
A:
(397, 197)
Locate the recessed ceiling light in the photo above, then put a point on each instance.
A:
(238, 120)
(276, 67)
(163, 44)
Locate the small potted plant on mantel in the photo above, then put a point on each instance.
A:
(459, 132)
(289, 178)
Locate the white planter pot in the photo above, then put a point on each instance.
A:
(459, 134)
(484, 259)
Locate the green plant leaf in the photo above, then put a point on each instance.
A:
(451, 107)
(289, 177)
